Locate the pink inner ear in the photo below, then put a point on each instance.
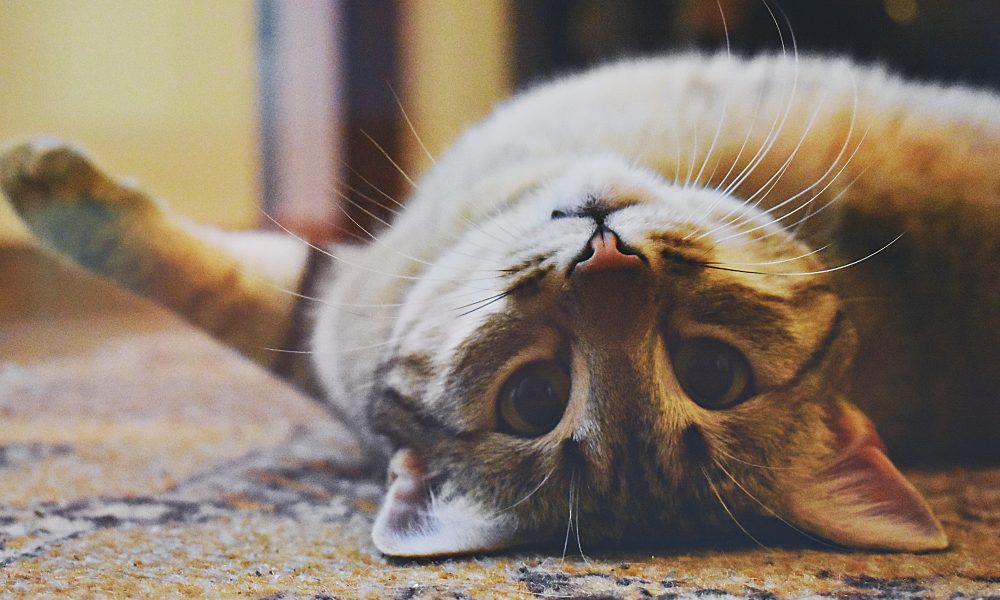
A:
(407, 497)
(852, 429)
(859, 498)
(414, 521)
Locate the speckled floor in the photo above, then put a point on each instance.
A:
(140, 459)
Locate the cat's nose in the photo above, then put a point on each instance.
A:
(604, 251)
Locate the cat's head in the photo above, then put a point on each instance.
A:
(620, 359)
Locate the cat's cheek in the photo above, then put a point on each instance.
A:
(414, 522)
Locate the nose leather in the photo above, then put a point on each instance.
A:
(607, 254)
(611, 291)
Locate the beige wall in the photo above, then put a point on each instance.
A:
(456, 64)
(162, 91)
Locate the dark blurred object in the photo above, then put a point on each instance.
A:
(355, 125)
(373, 120)
(953, 41)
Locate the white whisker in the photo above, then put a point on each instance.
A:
(576, 523)
(531, 493)
(768, 185)
(569, 519)
(776, 126)
(729, 512)
(389, 158)
(820, 179)
(725, 102)
(403, 254)
(368, 269)
(770, 262)
(766, 507)
(812, 213)
(409, 124)
(817, 272)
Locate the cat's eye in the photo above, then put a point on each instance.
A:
(713, 373)
(533, 399)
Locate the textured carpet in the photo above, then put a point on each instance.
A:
(138, 458)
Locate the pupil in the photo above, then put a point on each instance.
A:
(535, 401)
(711, 375)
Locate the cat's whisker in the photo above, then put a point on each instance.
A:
(811, 213)
(409, 124)
(397, 252)
(829, 203)
(376, 271)
(725, 103)
(806, 273)
(363, 347)
(691, 159)
(487, 299)
(766, 145)
(394, 212)
(770, 262)
(746, 140)
(490, 301)
(404, 174)
(569, 519)
(369, 183)
(397, 213)
(725, 507)
(389, 158)
(400, 205)
(745, 208)
(344, 306)
(807, 203)
(576, 521)
(752, 464)
(833, 165)
(772, 181)
(464, 219)
(529, 494)
(285, 350)
(385, 305)
(677, 148)
(770, 510)
(776, 126)
(847, 299)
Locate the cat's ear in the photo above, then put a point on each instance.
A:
(858, 498)
(413, 521)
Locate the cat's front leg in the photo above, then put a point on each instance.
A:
(212, 278)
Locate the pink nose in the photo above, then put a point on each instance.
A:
(607, 254)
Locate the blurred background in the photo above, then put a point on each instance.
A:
(306, 108)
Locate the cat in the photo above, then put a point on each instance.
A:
(656, 299)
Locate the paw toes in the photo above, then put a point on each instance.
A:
(45, 166)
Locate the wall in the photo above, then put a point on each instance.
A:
(160, 91)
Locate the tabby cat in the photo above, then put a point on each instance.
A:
(650, 301)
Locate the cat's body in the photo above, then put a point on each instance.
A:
(579, 238)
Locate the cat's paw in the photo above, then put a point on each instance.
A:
(44, 169)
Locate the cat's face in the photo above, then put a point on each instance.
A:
(605, 360)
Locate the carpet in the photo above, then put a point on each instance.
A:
(139, 458)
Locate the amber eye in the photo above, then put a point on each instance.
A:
(533, 400)
(713, 373)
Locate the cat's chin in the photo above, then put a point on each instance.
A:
(413, 522)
